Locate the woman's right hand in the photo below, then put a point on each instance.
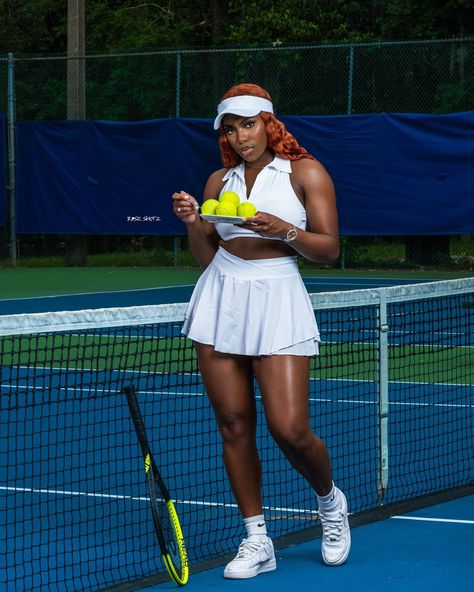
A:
(185, 207)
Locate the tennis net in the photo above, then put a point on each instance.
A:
(391, 395)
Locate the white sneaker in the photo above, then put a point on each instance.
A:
(336, 539)
(253, 557)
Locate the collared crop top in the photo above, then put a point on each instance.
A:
(272, 192)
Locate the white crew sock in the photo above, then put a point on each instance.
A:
(256, 526)
(329, 503)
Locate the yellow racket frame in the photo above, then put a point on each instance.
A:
(182, 578)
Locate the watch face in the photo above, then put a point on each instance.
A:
(291, 234)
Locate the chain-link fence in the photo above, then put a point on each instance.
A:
(425, 76)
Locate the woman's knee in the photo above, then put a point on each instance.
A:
(235, 426)
(292, 437)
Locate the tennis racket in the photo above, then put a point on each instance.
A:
(165, 518)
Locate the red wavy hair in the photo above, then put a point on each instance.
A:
(280, 141)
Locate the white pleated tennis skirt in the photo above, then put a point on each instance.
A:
(252, 307)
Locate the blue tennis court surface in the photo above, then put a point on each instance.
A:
(428, 550)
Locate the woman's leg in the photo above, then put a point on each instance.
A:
(229, 384)
(284, 383)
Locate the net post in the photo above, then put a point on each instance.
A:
(382, 478)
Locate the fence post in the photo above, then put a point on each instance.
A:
(11, 159)
(178, 84)
(176, 250)
(76, 65)
(350, 80)
(343, 243)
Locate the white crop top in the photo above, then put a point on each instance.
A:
(272, 192)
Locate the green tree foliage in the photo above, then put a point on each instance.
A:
(425, 19)
(135, 25)
(306, 21)
(40, 26)
(31, 25)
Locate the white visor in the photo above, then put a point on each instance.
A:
(245, 106)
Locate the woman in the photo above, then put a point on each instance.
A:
(250, 314)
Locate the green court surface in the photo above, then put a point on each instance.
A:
(27, 283)
(429, 362)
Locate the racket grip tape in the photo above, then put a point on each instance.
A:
(136, 417)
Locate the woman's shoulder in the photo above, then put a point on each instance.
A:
(308, 169)
(218, 176)
(303, 165)
(309, 175)
(214, 183)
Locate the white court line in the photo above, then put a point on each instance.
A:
(179, 393)
(207, 504)
(108, 292)
(146, 499)
(317, 379)
(173, 393)
(410, 382)
(422, 519)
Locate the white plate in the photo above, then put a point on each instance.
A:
(223, 219)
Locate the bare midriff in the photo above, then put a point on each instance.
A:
(257, 248)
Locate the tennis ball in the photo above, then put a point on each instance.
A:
(246, 210)
(226, 208)
(209, 206)
(230, 196)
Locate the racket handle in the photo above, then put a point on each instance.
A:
(136, 417)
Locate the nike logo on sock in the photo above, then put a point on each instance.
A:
(260, 525)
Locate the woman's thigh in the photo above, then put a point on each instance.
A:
(284, 384)
(229, 384)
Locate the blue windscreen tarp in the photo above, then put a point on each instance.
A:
(109, 178)
(3, 172)
(395, 174)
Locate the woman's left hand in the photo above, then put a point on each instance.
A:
(267, 225)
